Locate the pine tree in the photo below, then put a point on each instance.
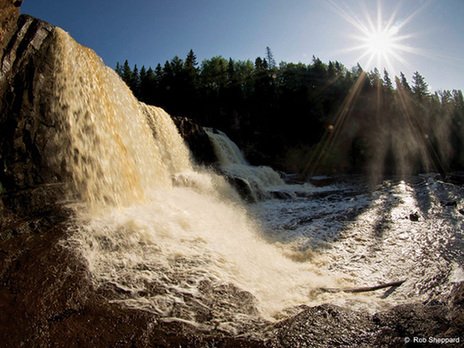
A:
(404, 82)
(135, 81)
(260, 64)
(374, 77)
(191, 61)
(118, 69)
(126, 73)
(420, 88)
(387, 82)
(143, 85)
(270, 58)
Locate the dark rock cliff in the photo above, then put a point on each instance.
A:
(196, 139)
(24, 130)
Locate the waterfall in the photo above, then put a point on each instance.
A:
(260, 179)
(225, 149)
(158, 233)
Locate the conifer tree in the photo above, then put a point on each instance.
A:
(404, 82)
(118, 69)
(270, 58)
(420, 88)
(126, 73)
(387, 82)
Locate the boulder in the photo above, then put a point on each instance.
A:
(242, 186)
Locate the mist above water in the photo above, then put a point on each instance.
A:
(158, 233)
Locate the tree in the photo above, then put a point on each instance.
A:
(387, 82)
(147, 87)
(214, 73)
(118, 69)
(275, 111)
(404, 82)
(191, 61)
(270, 58)
(374, 78)
(420, 88)
(260, 64)
(134, 81)
(126, 73)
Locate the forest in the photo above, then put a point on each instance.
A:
(312, 118)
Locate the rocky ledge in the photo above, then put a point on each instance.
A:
(196, 139)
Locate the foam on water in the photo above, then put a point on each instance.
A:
(157, 233)
(162, 235)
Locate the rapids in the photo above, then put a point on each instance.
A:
(160, 234)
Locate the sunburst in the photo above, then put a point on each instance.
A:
(382, 43)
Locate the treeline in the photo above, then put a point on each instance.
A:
(316, 117)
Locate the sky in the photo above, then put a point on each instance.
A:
(404, 35)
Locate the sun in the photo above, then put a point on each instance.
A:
(381, 43)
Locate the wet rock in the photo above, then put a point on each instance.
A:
(414, 217)
(450, 203)
(441, 319)
(324, 326)
(23, 130)
(292, 178)
(242, 186)
(455, 306)
(456, 178)
(281, 194)
(196, 139)
(320, 181)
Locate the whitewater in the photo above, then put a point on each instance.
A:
(160, 234)
(157, 232)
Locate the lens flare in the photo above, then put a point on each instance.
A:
(381, 41)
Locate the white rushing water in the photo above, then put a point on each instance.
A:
(158, 233)
(162, 235)
(260, 179)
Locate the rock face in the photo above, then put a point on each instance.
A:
(196, 139)
(23, 129)
(9, 13)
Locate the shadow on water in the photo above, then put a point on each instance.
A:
(319, 217)
(319, 220)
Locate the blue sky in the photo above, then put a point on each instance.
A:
(147, 32)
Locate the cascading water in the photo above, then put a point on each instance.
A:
(261, 179)
(157, 233)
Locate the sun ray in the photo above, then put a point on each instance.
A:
(379, 36)
(331, 135)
